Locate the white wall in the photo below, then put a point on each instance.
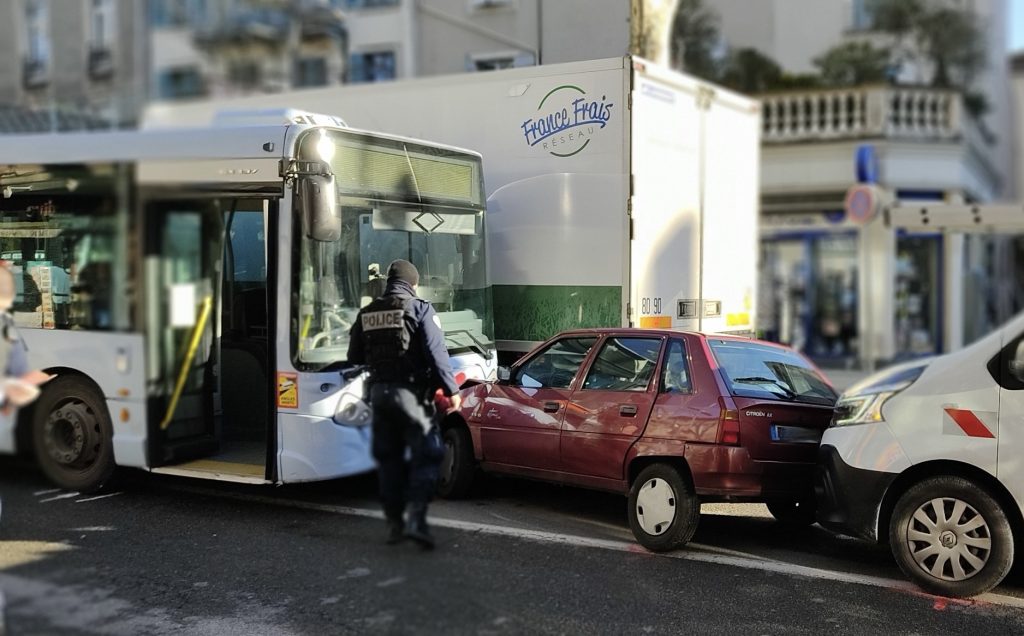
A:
(575, 30)
(792, 32)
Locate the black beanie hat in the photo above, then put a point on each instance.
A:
(404, 270)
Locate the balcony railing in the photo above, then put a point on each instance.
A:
(35, 73)
(101, 62)
(873, 111)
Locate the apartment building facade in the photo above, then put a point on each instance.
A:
(396, 39)
(72, 64)
(222, 48)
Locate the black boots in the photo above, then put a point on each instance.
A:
(396, 531)
(417, 528)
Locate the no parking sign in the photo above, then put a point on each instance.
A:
(861, 203)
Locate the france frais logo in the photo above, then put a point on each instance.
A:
(569, 121)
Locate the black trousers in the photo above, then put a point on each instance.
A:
(403, 420)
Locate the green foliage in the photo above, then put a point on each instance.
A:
(950, 39)
(977, 104)
(694, 39)
(898, 17)
(750, 71)
(853, 63)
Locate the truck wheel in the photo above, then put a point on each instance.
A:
(663, 510)
(458, 467)
(797, 512)
(951, 537)
(72, 435)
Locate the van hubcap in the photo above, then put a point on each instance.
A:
(949, 539)
(656, 506)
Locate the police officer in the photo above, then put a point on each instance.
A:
(399, 337)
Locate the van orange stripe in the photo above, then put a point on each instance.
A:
(970, 423)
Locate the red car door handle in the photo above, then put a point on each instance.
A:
(551, 407)
(628, 410)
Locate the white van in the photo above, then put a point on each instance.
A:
(929, 455)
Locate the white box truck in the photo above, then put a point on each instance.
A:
(619, 193)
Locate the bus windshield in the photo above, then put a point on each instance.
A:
(443, 238)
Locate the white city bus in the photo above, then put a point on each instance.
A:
(192, 290)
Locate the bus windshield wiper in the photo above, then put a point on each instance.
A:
(789, 393)
(477, 346)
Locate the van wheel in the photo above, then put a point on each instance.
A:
(458, 466)
(797, 512)
(951, 537)
(72, 435)
(663, 510)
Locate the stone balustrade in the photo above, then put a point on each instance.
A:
(863, 112)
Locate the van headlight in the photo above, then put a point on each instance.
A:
(862, 404)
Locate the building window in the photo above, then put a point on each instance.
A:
(102, 16)
(372, 67)
(493, 63)
(178, 13)
(178, 83)
(36, 18)
(490, 4)
(310, 71)
(498, 61)
(101, 59)
(368, 4)
(37, 44)
(863, 20)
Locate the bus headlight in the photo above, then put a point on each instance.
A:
(862, 403)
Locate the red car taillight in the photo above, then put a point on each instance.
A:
(728, 422)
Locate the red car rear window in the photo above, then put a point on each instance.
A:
(759, 370)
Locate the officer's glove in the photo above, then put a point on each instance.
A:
(455, 403)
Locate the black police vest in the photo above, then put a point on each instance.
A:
(388, 326)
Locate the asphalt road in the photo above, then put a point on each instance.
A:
(161, 555)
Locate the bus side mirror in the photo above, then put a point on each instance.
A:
(504, 374)
(322, 214)
(1017, 364)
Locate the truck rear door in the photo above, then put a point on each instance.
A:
(664, 262)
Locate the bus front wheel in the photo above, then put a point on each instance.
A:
(72, 435)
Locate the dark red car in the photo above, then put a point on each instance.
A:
(670, 418)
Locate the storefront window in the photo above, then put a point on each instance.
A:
(807, 296)
(917, 298)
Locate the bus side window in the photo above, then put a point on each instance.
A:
(62, 253)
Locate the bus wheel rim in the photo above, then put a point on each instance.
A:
(71, 435)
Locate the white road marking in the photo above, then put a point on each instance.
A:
(67, 495)
(355, 573)
(688, 554)
(40, 493)
(113, 494)
(394, 581)
(93, 529)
